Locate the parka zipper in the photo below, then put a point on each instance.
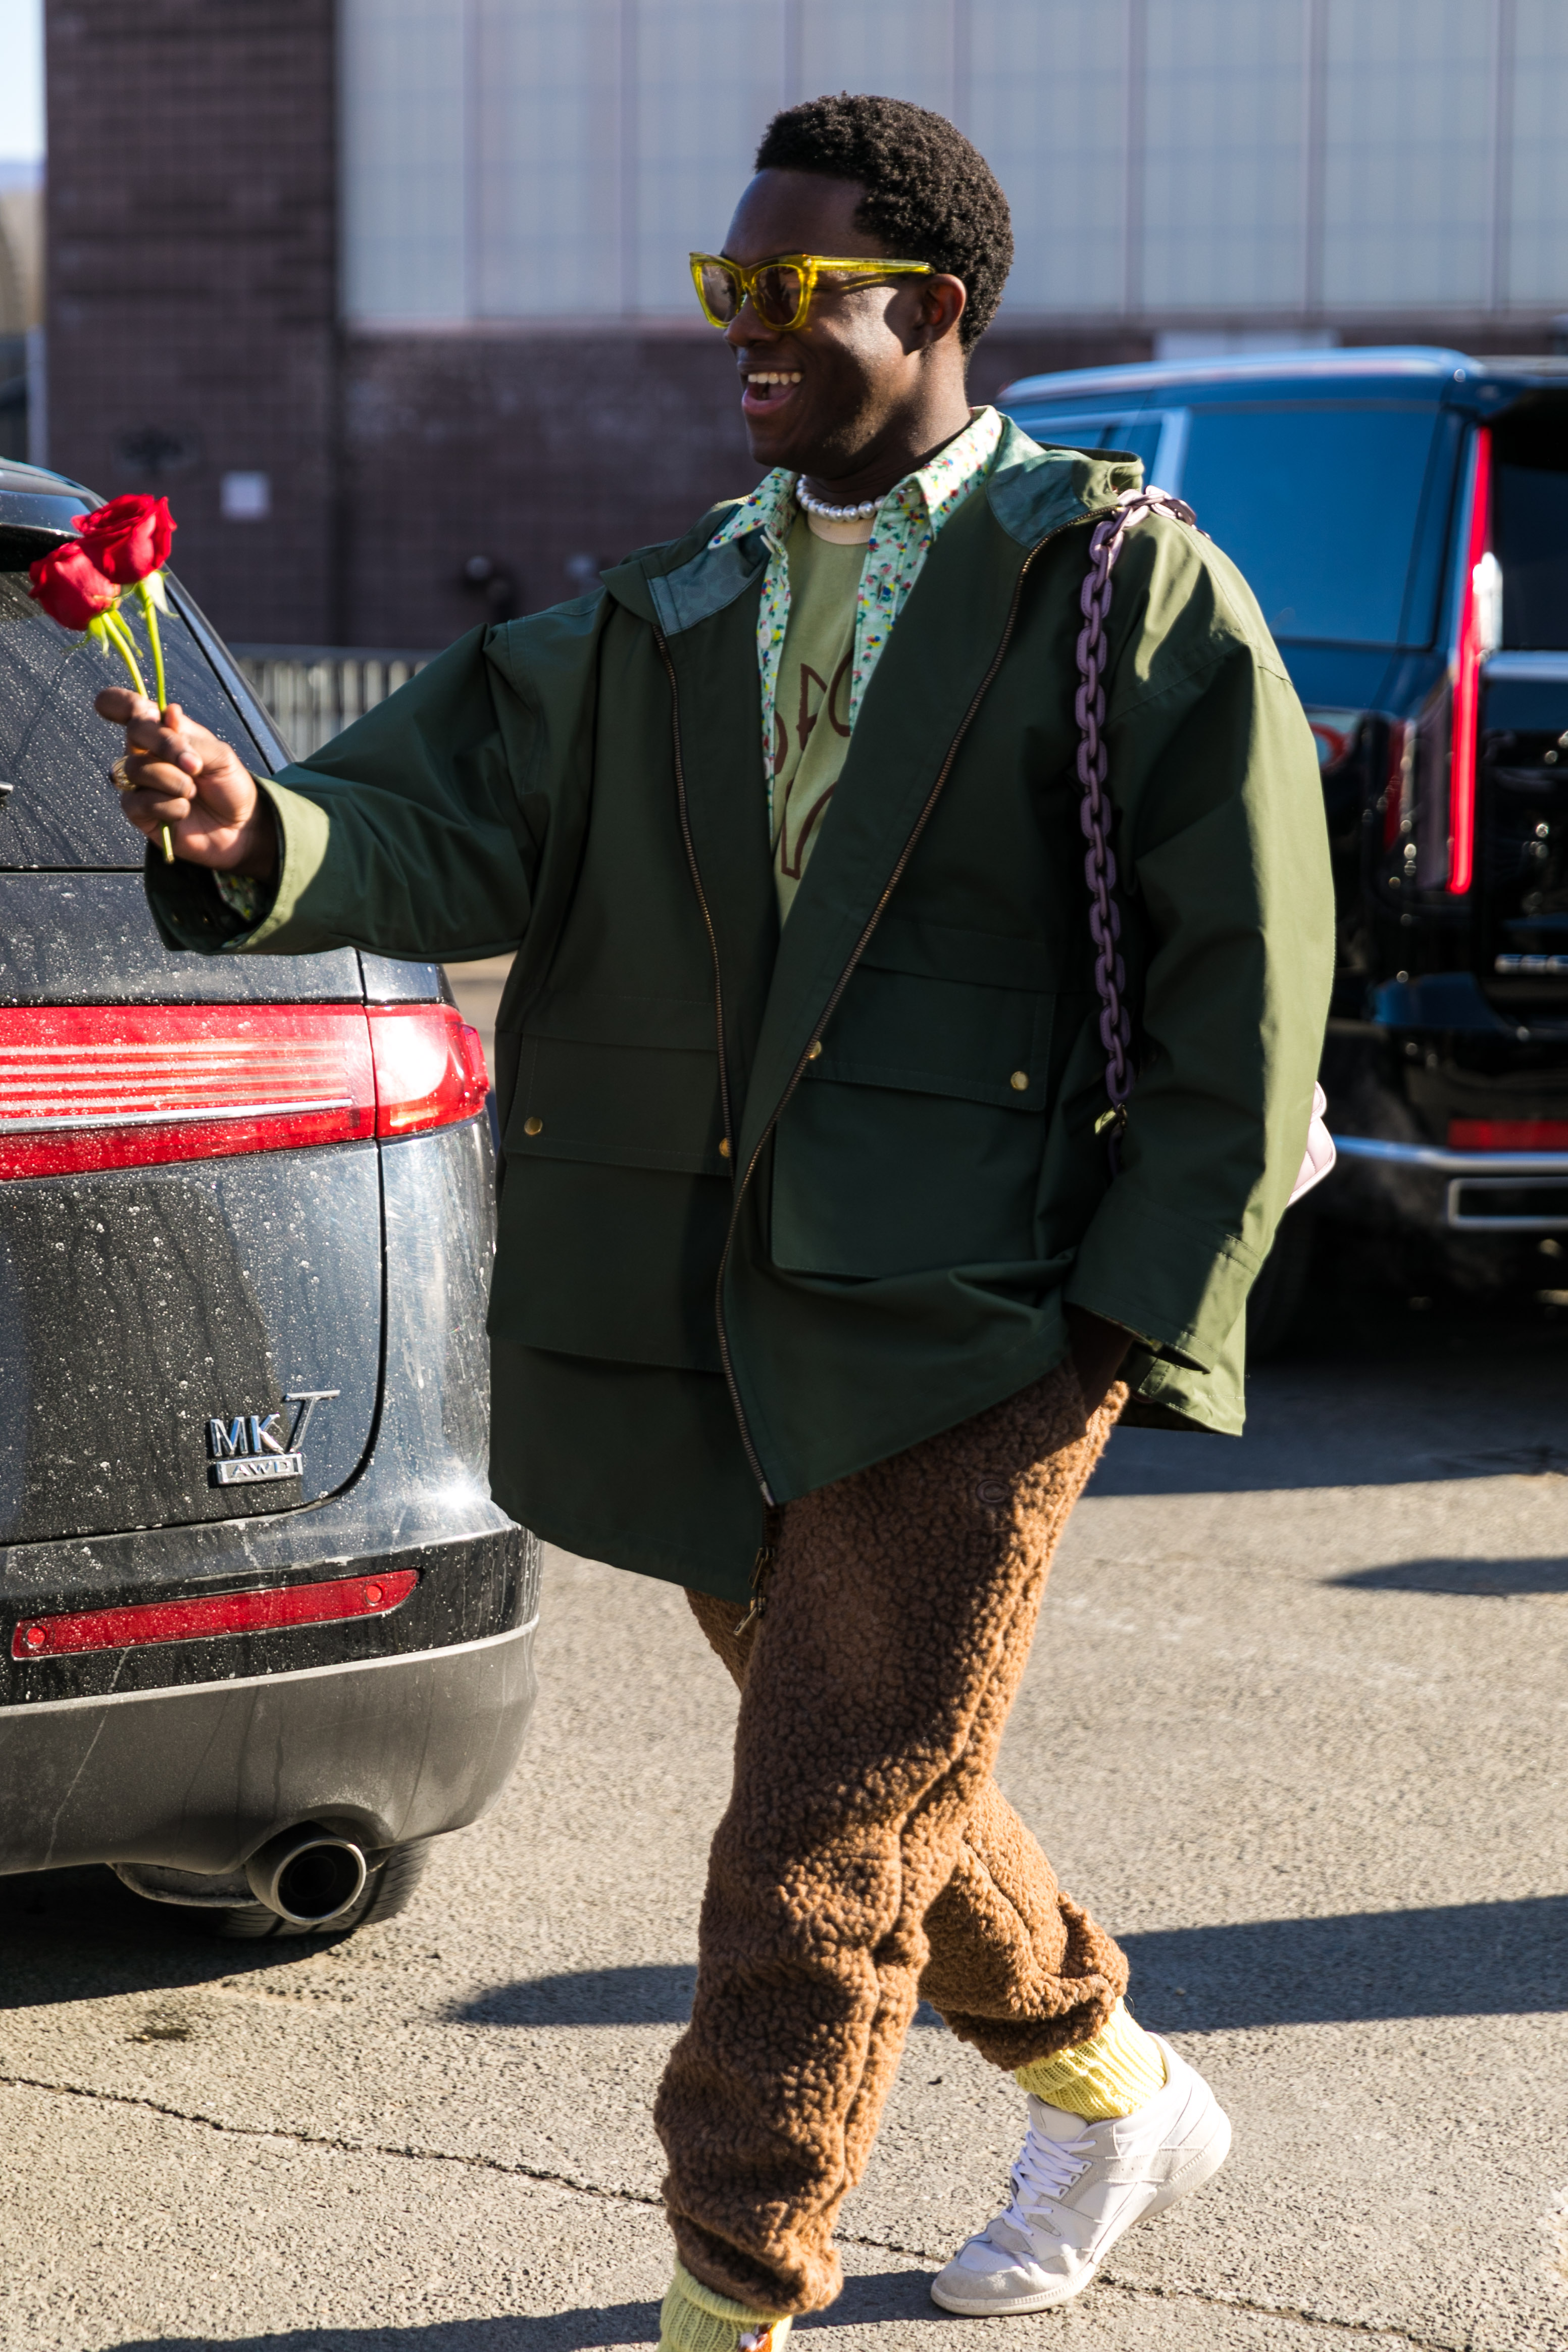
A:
(1096, 514)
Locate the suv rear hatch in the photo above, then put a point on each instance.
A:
(190, 1270)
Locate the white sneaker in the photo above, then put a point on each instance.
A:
(1077, 2186)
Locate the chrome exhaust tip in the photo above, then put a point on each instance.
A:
(308, 1877)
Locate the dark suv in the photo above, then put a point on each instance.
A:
(264, 1632)
(1403, 517)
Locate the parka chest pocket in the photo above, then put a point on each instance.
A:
(914, 1140)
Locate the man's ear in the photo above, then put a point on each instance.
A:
(943, 301)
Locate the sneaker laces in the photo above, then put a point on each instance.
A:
(1044, 2171)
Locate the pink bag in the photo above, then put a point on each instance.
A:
(1100, 866)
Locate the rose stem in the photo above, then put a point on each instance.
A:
(119, 636)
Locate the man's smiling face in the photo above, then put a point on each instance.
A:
(819, 401)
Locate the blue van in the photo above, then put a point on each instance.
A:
(1402, 516)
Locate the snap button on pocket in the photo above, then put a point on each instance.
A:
(1019, 1081)
(533, 1126)
(990, 1492)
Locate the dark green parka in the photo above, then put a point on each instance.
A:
(776, 1205)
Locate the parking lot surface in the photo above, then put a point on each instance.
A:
(1293, 1727)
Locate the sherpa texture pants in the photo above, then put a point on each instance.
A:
(867, 1857)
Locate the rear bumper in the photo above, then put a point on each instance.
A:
(1466, 1191)
(197, 1776)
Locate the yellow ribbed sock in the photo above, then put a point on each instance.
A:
(1117, 2073)
(692, 2319)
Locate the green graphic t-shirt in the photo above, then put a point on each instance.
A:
(811, 712)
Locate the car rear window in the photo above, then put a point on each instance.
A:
(1322, 508)
(1529, 525)
(54, 750)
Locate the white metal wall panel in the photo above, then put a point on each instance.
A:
(1534, 178)
(556, 158)
(708, 77)
(1047, 108)
(902, 48)
(402, 72)
(544, 164)
(1407, 152)
(1222, 178)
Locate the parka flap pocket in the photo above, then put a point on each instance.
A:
(983, 1044)
(647, 1101)
(914, 1141)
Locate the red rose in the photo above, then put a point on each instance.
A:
(128, 537)
(69, 586)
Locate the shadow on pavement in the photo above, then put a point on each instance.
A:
(568, 2331)
(80, 1935)
(633, 1996)
(869, 2300)
(1468, 1960)
(1473, 1576)
(1376, 1394)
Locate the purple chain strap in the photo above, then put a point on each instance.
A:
(1094, 813)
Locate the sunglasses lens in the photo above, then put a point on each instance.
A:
(720, 293)
(778, 293)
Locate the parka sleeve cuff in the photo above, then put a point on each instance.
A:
(1179, 1285)
(192, 912)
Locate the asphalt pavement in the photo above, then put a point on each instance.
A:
(1293, 1727)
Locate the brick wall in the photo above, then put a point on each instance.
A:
(192, 284)
(549, 455)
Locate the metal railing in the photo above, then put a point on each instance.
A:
(313, 692)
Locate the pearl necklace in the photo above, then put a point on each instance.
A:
(833, 514)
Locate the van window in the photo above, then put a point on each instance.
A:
(1321, 508)
(1529, 525)
(1140, 436)
(55, 749)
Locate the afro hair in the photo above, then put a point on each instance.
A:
(929, 196)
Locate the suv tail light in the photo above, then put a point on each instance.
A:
(94, 1086)
(1474, 637)
(429, 1067)
(1507, 1134)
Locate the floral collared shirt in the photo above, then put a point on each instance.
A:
(902, 533)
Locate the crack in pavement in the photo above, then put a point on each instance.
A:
(1369, 2329)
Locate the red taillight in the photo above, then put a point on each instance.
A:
(1507, 1134)
(99, 1086)
(430, 1068)
(86, 1087)
(210, 1613)
(1471, 651)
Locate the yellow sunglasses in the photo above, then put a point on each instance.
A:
(781, 290)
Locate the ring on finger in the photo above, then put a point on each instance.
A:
(120, 777)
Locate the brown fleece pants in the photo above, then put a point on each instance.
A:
(866, 1856)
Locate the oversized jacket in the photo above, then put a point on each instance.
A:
(777, 1204)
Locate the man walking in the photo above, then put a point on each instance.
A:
(815, 1290)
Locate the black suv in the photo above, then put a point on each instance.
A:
(264, 1630)
(1403, 517)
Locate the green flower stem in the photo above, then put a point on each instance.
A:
(150, 615)
(117, 634)
(111, 630)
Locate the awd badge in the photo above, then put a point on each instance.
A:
(243, 1452)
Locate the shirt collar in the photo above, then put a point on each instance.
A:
(935, 488)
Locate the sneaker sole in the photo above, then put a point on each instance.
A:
(1200, 2167)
